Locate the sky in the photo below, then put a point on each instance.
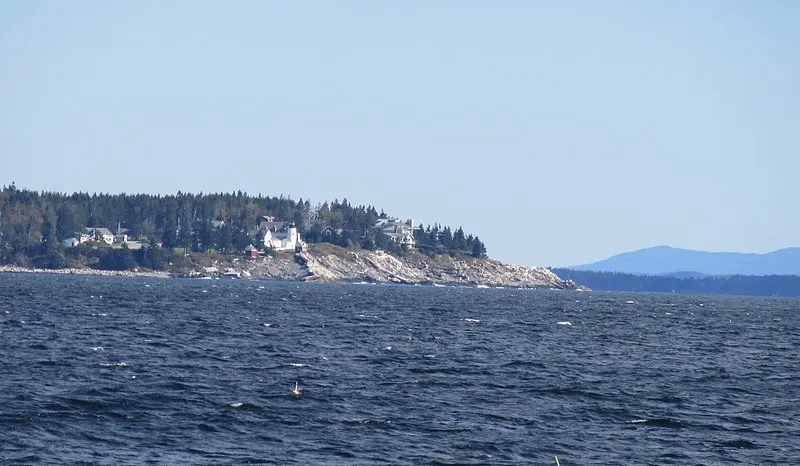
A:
(559, 132)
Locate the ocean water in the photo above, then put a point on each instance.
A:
(104, 370)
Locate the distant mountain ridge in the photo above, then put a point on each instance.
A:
(666, 260)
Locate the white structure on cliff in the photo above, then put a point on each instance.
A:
(280, 236)
(286, 240)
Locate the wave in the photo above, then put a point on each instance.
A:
(659, 422)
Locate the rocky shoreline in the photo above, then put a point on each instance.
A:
(326, 263)
(415, 268)
(87, 271)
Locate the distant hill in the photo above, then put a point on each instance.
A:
(761, 285)
(685, 263)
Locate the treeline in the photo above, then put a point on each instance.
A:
(33, 224)
(768, 285)
(442, 240)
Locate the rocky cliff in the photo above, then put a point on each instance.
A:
(331, 264)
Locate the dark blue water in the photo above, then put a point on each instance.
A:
(100, 370)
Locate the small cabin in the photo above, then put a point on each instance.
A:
(251, 251)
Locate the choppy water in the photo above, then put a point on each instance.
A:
(100, 370)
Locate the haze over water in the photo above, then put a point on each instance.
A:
(124, 371)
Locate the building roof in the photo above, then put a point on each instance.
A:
(329, 229)
(273, 226)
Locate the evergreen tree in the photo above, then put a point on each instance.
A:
(67, 222)
(478, 249)
(459, 240)
(170, 238)
(223, 238)
(446, 238)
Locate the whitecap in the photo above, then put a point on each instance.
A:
(388, 348)
(476, 321)
(267, 325)
(97, 348)
(564, 323)
(297, 364)
(637, 421)
(630, 302)
(114, 364)
(236, 405)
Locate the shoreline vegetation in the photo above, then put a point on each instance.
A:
(241, 235)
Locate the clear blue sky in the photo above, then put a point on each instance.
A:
(559, 132)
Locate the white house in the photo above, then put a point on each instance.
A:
(285, 240)
(280, 236)
(401, 232)
(100, 234)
